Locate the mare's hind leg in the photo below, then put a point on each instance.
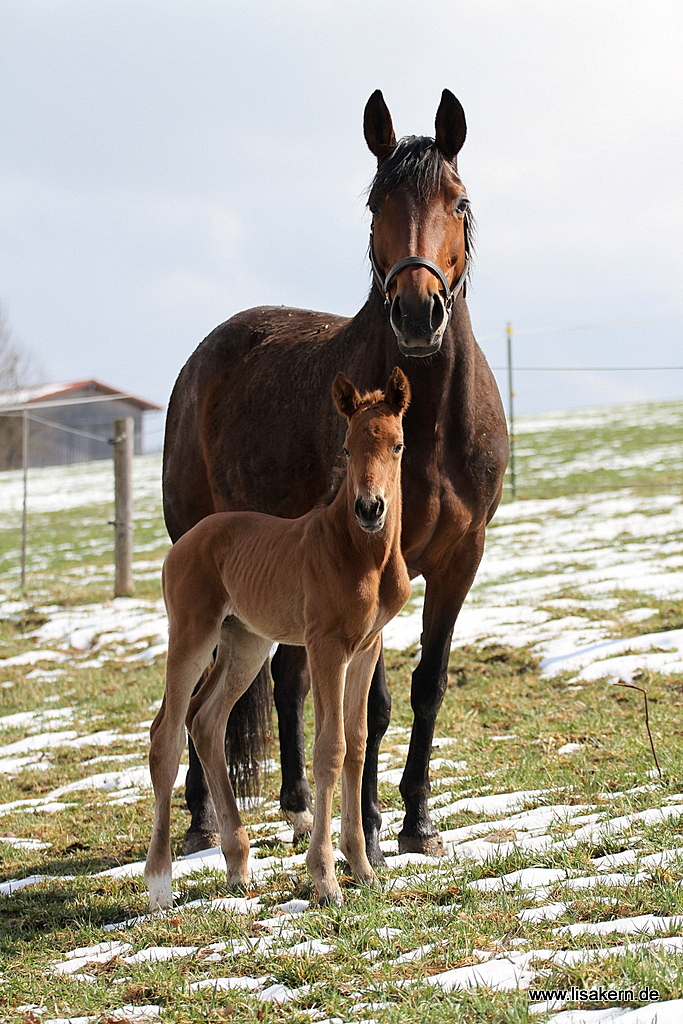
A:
(291, 679)
(352, 841)
(240, 656)
(188, 651)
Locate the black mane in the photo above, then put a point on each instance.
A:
(417, 160)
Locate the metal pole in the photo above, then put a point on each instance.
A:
(123, 506)
(511, 409)
(24, 515)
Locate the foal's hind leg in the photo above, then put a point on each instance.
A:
(188, 653)
(240, 656)
(352, 840)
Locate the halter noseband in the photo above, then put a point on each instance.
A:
(383, 283)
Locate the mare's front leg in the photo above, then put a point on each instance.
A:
(327, 660)
(378, 718)
(291, 679)
(352, 841)
(240, 656)
(444, 595)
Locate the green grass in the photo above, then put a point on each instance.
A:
(493, 690)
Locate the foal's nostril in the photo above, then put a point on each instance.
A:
(369, 511)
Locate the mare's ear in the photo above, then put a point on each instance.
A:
(451, 127)
(397, 392)
(345, 396)
(377, 126)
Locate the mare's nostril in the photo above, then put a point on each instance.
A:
(438, 312)
(396, 315)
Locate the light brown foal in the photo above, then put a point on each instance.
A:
(330, 581)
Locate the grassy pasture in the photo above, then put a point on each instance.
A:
(505, 727)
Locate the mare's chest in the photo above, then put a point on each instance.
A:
(449, 490)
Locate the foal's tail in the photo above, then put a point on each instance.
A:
(249, 734)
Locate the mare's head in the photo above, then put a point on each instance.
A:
(420, 238)
(373, 446)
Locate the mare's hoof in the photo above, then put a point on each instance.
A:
(373, 851)
(431, 846)
(200, 839)
(302, 824)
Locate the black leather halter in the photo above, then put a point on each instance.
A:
(383, 282)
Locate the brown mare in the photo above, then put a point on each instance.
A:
(235, 440)
(330, 581)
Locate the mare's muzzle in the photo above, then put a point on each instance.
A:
(418, 323)
(370, 513)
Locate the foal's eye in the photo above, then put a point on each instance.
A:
(346, 452)
(398, 448)
(461, 205)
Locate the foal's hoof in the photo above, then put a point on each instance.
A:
(160, 892)
(430, 846)
(196, 840)
(331, 899)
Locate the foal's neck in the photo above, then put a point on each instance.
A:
(376, 548)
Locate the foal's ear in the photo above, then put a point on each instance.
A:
(451, 127)
(397, 393)
(377, 126)
(345, 396)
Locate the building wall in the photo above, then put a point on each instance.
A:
(51, 446)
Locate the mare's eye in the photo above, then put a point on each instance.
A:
(398, 448)
(375, 208)
(346, 452)
(461, 205)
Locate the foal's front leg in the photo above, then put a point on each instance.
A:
(327, 660)
(352, 841)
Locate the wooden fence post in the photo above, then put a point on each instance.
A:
(25, 458)
(123, 506)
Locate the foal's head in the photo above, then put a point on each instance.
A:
(419, 209)
(373, 446)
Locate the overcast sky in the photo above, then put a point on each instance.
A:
(165, 164)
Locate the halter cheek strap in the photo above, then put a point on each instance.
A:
(384, 282)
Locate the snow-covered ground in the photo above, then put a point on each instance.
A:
(559, 574)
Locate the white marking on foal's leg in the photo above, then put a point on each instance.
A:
(160, 892)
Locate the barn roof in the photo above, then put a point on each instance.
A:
(69, 390)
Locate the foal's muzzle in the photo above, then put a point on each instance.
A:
(370, 513)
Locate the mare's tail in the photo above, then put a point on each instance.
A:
(248, 735)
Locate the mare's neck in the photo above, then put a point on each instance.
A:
(442, 385)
